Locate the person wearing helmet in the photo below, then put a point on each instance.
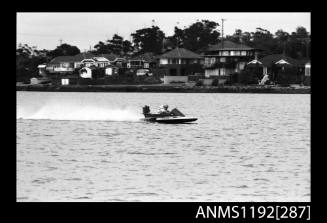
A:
(163, 109)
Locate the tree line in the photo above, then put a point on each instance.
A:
(196, 37)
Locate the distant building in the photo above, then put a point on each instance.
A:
(67, 64)
(142, 61)
(62, 64)
(276, 64)
(84, 59)
(227, 58)
(179, 63)
(113, 59)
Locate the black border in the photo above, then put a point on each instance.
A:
(135, 211)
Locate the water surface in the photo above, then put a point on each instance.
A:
(93, 147)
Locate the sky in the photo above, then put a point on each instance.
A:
(84, 30)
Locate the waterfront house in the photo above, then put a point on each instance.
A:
(62, 64)
(142, 61)
(273, 63)
(84, 59)
(67, 64)
(113, 59)
(89, 59)
(178, 64)
(226, 58)
(276, 65)
(96, 61)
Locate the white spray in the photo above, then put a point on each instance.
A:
(68, 111)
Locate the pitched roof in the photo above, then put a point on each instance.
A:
(270, 59)
(180, 53)
(148, 57)
(109, 56)
(100, 59)
(228, 45)
(64, 59)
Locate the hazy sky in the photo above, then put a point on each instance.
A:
(83, 30)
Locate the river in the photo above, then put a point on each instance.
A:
(93, 147)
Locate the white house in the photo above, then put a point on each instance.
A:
(101, 61)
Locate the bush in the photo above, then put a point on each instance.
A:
(247, 77)
(307, 81)
(215, 82)
(199, 83)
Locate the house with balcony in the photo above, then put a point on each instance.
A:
(226, 58)
(178, 64)
(142, 61)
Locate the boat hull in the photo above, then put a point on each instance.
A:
(174, 117)
(175, 120)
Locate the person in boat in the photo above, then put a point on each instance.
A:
(164, 109)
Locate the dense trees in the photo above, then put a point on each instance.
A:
(64, 50)
(149, 40)
(197, 36)
(296, 45)
(117, 45)
(27, 60)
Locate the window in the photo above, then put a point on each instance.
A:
(212, 60)
(222, 71)
(223, 59)
(243, 53)
(174, 61)
(164, 61)
(225, 53)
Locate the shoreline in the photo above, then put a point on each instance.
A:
(166, 89)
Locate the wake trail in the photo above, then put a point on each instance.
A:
(61, 111)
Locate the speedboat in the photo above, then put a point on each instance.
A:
(169, 117)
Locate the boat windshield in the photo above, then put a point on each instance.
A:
(176, 112)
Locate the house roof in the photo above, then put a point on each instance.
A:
(148, 57)
(100, 59)
(64, 59)
(180, 53)
(274, 58)
(228, 45)
(109, 56)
